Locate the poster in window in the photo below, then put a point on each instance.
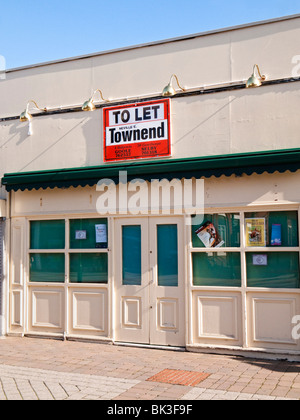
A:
(276, 235)
(209, 236)
(101, 235)
(255, 232)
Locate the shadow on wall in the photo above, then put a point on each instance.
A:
(78, 144)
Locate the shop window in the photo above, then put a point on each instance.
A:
(216, 269)
(48, 268)
(273, 229)
(49, 253)
(88, 233)
(47, 234)
(270, 250)
(217, 230)
(273, 269)
(272, 266)
(88, 268)
(210, 267)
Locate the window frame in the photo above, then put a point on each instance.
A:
(243, 249)
(67, 251)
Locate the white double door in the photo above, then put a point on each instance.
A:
(149, 281)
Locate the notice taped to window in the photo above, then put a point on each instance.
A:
(137, 131)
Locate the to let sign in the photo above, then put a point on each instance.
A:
(137, 131)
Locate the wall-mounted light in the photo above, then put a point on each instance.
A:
(89, 105)
(253, 80)
(169, 90)
(26, 116)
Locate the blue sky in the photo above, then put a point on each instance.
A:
(35, 31)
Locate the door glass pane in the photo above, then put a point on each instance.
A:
(167, 255)
(217, 230)
(132, 255)
(47, 234)
(88, 268)
(273, 269)
(88, 233)
(280, 228)
(48, 268)
(217, 269)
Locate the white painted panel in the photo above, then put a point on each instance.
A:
(17, 251)
(167, 314)
(16, 310)
(273, 319)
(47, 310)
(217, 317)
(131, 312)
(89, 311)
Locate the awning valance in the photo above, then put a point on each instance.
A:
(197, 167)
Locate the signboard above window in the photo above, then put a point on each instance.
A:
(137, 131)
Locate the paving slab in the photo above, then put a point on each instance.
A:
(45, 369)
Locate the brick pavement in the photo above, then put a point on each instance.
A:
(42, 369)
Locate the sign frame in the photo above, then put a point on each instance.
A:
(145, 149)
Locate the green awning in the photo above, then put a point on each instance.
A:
(198, 167)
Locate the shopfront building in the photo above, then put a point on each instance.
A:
(159, 221)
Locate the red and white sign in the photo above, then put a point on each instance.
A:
(137, 131)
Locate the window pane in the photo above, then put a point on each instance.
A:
(281, 227)
(88, 268)
(132, 255)
(88, 233)
(217, 230)
(273, 269)
(167, 255)
(47, 234)
(217, 269)
(48, 268)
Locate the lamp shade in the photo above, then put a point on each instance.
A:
(169, 90)
(88, 106)
(253, 80)
(25, 116)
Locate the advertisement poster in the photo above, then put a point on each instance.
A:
(137, 131)
(209, 236)
(255, 232)
(276, 235)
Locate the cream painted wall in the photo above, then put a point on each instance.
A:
(219, 123)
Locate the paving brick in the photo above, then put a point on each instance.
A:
(51, 369)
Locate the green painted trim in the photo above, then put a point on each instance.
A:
(207, 166)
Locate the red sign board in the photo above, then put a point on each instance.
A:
(137, 131)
